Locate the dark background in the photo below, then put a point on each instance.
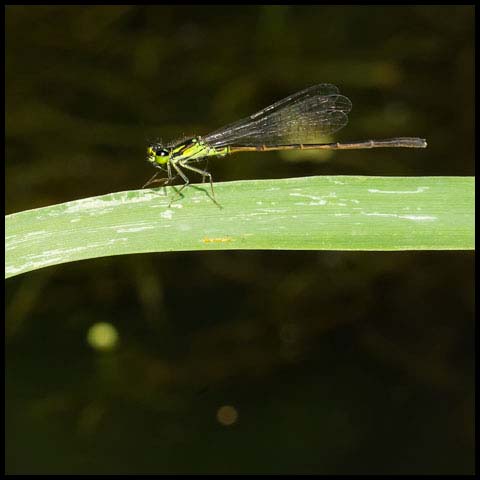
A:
(334, 362)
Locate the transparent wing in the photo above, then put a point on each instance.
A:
(304, 117)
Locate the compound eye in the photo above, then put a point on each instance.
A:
(162, 153)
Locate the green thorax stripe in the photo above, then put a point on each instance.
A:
(194, 148)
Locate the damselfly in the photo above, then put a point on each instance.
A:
(297, 122)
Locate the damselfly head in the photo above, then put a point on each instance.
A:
(158, 154)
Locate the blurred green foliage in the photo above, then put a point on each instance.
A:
(334, 362)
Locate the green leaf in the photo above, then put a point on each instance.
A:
(312, 213)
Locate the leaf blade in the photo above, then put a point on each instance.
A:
(309, 213)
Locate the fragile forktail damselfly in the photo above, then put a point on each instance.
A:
(297, 122)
